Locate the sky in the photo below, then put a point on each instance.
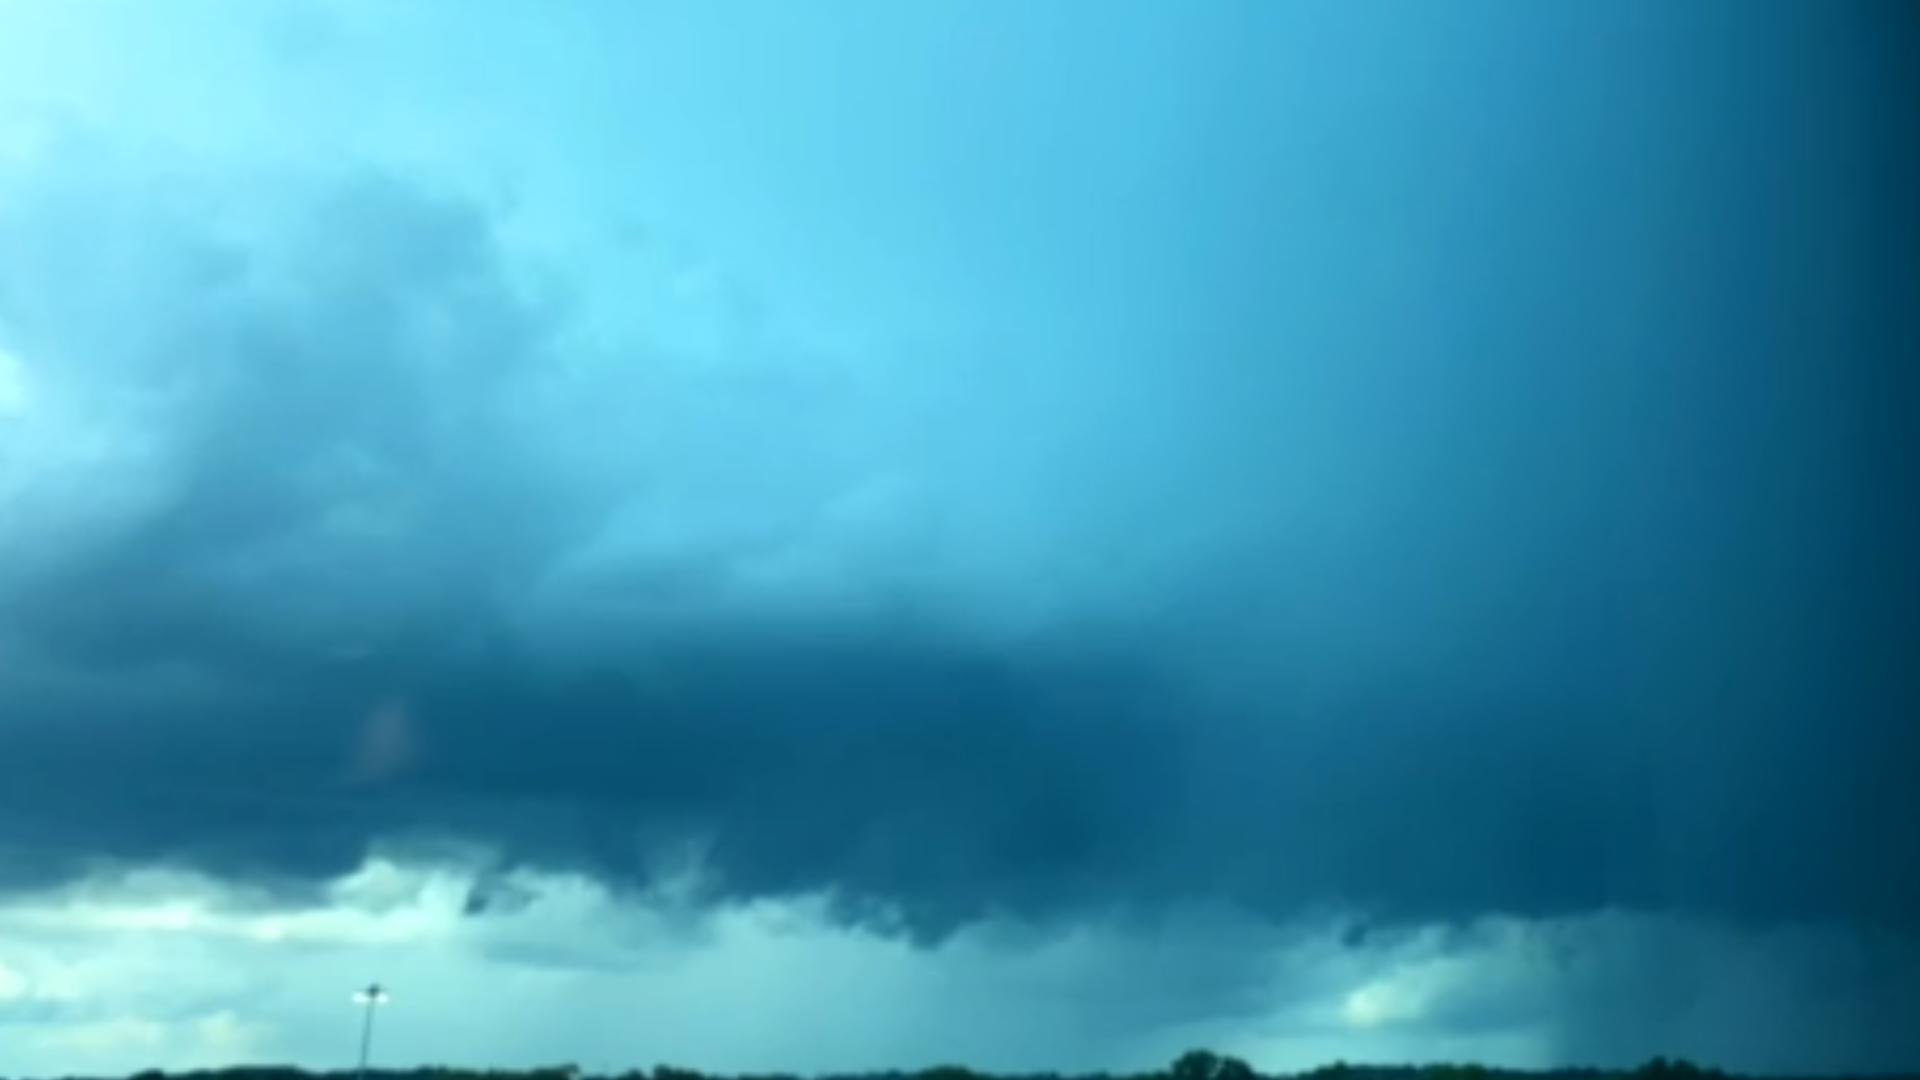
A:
(774, 536)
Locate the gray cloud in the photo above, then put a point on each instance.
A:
(308, 474)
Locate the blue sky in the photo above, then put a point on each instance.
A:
(1366, 531)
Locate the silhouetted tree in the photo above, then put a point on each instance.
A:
(1207, 1065)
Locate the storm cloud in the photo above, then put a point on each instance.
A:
(1564, 593)
(1469, 483)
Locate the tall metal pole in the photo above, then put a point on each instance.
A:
(373, 997)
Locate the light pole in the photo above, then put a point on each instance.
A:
(372, 998)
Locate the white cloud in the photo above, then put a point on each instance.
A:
(127, 1038)
(179, 968)
(13, 985)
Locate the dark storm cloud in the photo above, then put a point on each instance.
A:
(323, 531)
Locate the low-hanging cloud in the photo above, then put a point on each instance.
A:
(324, 528)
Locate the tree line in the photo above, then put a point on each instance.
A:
(1193, 1065)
